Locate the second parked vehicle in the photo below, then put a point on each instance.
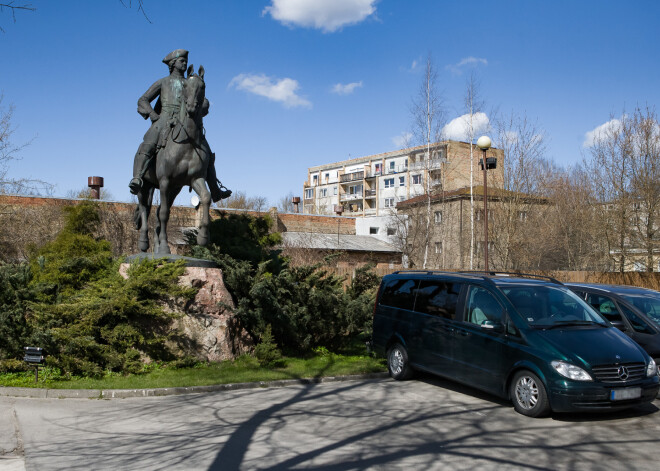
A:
(635, 311)
(531, 340)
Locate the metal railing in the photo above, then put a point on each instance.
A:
(351, 177)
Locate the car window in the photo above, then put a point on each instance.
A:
(399, 293)
(482, 306)
(605, 306)
(649, 304)
(547, 306)
(437, 297)
(638, 324)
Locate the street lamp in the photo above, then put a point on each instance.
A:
(484, 144)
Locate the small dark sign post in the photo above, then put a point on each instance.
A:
(34, 355)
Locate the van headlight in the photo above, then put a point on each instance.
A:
(570, 371)
(652, 369)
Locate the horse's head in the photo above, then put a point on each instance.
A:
(194, 90)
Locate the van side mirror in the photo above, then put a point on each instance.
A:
(493, 326)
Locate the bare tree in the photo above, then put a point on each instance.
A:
(428, 113)
(86, 193)
(14, 7)
(240, 200)
(285, 204)
(523, 145)
(610, 166)
(140, 7)
(8, 153)
(473, 105)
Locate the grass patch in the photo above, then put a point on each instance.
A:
(244, 369)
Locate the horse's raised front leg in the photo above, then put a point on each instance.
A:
(199, 186)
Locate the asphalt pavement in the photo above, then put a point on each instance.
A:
(428, 423)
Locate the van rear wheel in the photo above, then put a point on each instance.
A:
(529, 395)
(397, 362)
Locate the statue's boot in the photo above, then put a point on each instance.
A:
(218, 191)
(140, 165)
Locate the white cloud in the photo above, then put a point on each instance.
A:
(347, 89)
(458, 128)
(326, 15)
(600, 132)
(280, 90)
(457, 68)
(402, 141)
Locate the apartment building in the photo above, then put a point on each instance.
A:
(373, 185)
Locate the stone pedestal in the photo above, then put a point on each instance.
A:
(208, 322)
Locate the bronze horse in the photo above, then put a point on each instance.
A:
(182, 162)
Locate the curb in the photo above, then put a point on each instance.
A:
(153, 392)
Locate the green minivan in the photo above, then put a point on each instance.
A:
(525, 338)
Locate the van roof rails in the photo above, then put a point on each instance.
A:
(437, 272)
(509, 273)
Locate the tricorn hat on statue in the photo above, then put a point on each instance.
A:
(175, 54)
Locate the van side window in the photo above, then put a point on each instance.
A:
(482, 306)
(605, 306)
(437, 297)
(399, 293)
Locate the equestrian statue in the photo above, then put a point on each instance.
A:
(174, 152)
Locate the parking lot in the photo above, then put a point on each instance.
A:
(426, 423)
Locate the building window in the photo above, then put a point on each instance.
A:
(315, 179)
(389, 202)
(402, 181)
(416, 179)
(438, 247)
(355, 190)
(480, 246)
(327, 177)
(391, 231)
(405, 164)
(378, 169)
(389, 182)
(323, 193)
(373, 230)
(334, 191)
(522, 215)
(392, 166)
(479, 214)
(309, 194)
(437, 217)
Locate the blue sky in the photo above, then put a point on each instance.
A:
(299, 83)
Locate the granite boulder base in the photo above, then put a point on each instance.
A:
(208, 321)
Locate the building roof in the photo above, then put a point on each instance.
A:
(384, 155)
(477, 191)
(346, 242)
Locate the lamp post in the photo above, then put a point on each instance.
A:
(484, 144)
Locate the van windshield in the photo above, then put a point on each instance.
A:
(550, 306)
(648, 303)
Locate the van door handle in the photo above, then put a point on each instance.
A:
(464, 333)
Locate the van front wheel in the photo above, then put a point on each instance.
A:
(528, 395)
(397, 362)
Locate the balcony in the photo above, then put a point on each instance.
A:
(430, 165)
(369, 193)
(397, 169)
(350, 197)
(351, 177)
